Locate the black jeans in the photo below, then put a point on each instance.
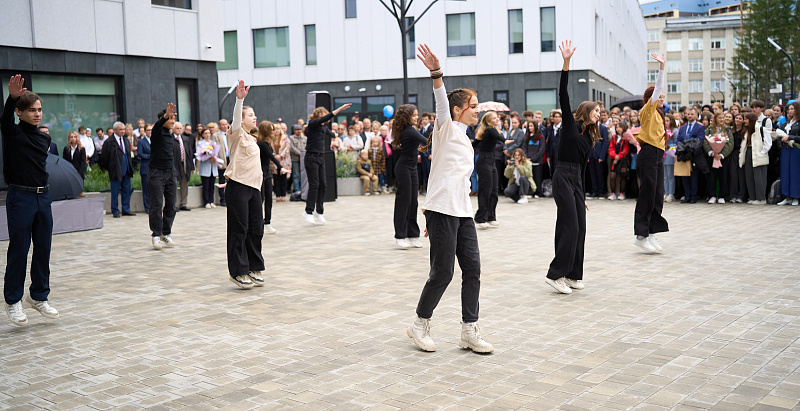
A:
(405, 201)
(570, 222)
(647, 218)
(452, 237)
(718, 174)
(245, 229)
(266, 197)
(222, 189)
(487, 187)
(208, 189)
(315, 170)
(520, 187)
(280, 184)
(689, 184)
(537, 179)
(732, 169)
(162, 188)
(29, 218)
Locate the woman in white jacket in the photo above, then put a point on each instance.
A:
(754, 158)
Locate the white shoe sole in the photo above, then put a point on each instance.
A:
(19, 323)
(419, 343)
(464, 344)
(29, 302)
(552, 283)
(245, 286)
(651, 250)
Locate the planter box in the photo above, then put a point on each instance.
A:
(350, 186)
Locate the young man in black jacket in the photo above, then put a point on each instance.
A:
(162, 184)
(27, 204)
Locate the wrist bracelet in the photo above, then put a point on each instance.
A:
(436, 72)
(438, 76)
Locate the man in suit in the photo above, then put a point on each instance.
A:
(553, 139)
(692, 129)
(116, 158)
(184, 162)
(144, 157)
(53, 147)
(221, 138)
(597, 165)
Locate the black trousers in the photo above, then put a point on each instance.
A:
(162, 189)
(487, 188)
(718, 175)
(222, 189)
(245, 228)
(315, 170)
(208, 189)
(520, 187)
(29, 218)
(647, 218)
(732, 169)
(537, 179)
(689, 184)
(597, 176)
(570, 222)
(405, 200)
(266, 197)
(281, 184)
(451, 238)
(500, 168)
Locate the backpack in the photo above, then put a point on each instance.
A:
(774, 195)
(547, 188)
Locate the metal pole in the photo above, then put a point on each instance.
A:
(230, 90)
(791, 64)
(403, 39)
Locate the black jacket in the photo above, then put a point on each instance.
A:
(188, 150)
(24, 150)
(78, 160)
(111, 158)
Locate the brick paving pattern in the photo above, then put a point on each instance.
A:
(710, 324)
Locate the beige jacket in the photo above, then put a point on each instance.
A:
(245, 165)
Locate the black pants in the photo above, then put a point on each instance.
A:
(405, 201)
(718, 175)
(500, 168)
(452, 237)
(315, 170)
(389, 170)
(487, 188)
(162, 188)
(596, 174)
(281, 184)
(538, 170)
(570, 222)
(208, 189)
(647, 218)
(266, 197)
(29, 218)
(245, 229)
(731, 166)
(690, 184)
(520, 187)
(222, 189)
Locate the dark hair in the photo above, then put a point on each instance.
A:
(81, 129)
(266, 132)
(757, 103)
(535, 136)
(624, 126)
(161, 113)
(99, 129)
(402, 118)
(456, 98)
(751, 128)
(26, 100)
(584, 121)
(796, 105)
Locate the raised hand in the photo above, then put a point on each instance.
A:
(343, 107)
(427, 57)
(241, 90)
(566, 49)
(15, 89)
(170, 111)
(661, 59)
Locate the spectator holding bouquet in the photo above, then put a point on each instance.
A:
(206, 155)
(718, 145)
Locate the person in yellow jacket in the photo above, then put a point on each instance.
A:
(519, 173)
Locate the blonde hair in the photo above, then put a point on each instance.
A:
(484, 124)
(76, 136)
(319, 112)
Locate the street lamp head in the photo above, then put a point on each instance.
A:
(744, 66)
(769, 39)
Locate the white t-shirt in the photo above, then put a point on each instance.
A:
(88, 144)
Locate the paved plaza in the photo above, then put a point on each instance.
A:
(713, 323)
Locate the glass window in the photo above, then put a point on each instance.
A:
(695, 43)
(350, 11)
(461, 34)
(184, 105)
(694, 102)
(673, 87)
(271, 47)
(69, 102)
(673, 44)
(718, 64)
(718, 42)
(377, 103)
(501, 96)
(412, 99)
(311, 45)
(718, 85)
(653, 35)
(548, 25)
(357, 106)
(674, 105)
(673, 66)
(651, 76)
(514, 31)
(544, 100)
(179, 4)
(410, 47)
(231, 52)
(736, 40)
(696, 65)
(695, 86)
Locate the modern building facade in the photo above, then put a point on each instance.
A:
(94, 62)
(691, 8)
(505, 49)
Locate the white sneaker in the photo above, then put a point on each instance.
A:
(670, 198)
(644, 244)
(795, 202)
(42, 307)
(612, 196)
(320, 218)
(760, 202)
(652, 239)
(167, 239)
(15, 313)
(484, 226)
(403, 242)
(522, 200)
(621, 196)
(471, 338)
(494, 224)
(420, 331)
(309, 218)
(213, 205)
(785, 201)
(367, 193)
(157, 243)
(751, 202)
(712, 200)
(415, 242)
(721, 200)
(208, 205)
(242, 281)
(256, 278)
(269, 229)
(560, 285)
(576, 284)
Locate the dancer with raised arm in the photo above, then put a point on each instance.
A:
(448, 212)
(578, 134)
(647, 219)
(406, 148)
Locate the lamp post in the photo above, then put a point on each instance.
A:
(716, 88)
(732, 85)
(228, 94)
(744, 66)
(791, 64)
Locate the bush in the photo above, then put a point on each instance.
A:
(97, 180)
(346, 165)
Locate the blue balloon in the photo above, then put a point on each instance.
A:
(66, 125)
(388, 111)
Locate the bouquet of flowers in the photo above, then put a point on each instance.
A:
(208, 150)
(717, 143)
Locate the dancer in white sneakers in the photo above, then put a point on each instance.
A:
(448, 212)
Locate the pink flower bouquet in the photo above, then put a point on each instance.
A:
(717, 143)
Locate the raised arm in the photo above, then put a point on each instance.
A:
(15, 91)
(241, 93)
(660, 79)
(431, 62)
(566, 53)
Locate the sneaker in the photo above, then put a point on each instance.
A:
(157, 243)
(367, 193)
(652, 239)
(415, 242)
(269, 229)
(484, 225)
(420, 332)
(167, 239)
(213, 205)
(319, 217)
(751, 202)
(242, 281)
(403, 242)
(471, 338)
(377, 193)
(760, 202)
(15, 313)
(795, 202)
(621, 196)
(644, 244)
(309, 218)
(612, 196)
(522, 200)
(42, 307)
(670, 198)
(208, 205)
(256, 278)
(494, 223)
(720, 200)
(560, 285)
(576, 284)
(785, 201)
(712, 200)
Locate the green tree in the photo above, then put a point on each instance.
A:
(777, 19)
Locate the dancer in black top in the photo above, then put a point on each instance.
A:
(265, 138)
(315, 163)
(578, 135)
(486, 139)
(406, 229)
